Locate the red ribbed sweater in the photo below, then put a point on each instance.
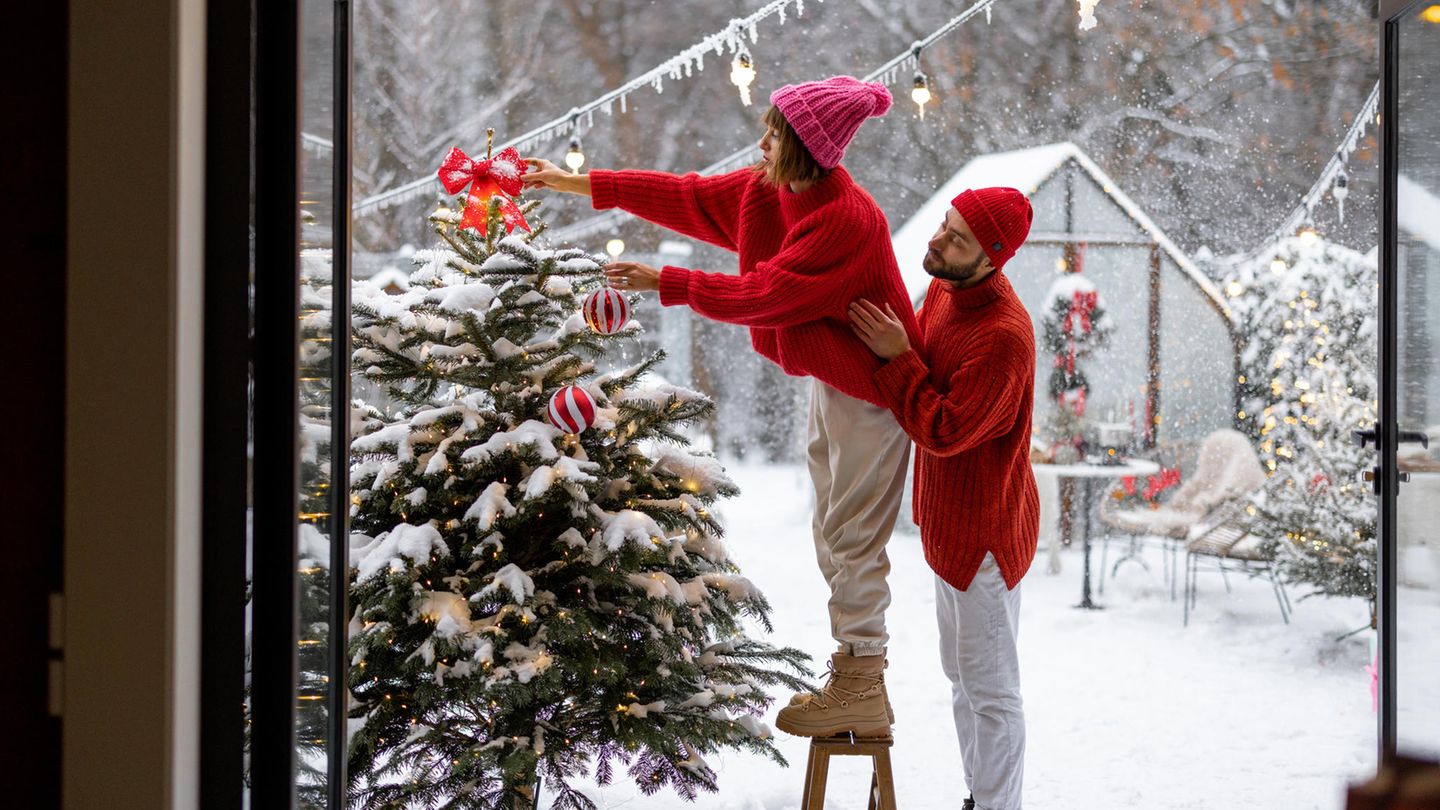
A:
(803, 258)
(965, 398)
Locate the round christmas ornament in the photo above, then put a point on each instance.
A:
(572, 409)
(606, 311)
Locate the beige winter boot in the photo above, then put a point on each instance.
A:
(853, 700)
(805, 697)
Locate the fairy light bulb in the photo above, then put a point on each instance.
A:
(920, 92)
(615, 247)
(742, 75)
(1278, 265)
(575, 158)
(441, 217)
(1308, 236)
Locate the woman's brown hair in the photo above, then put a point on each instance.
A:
(795, 164)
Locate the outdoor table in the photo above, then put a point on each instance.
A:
(1087, 477)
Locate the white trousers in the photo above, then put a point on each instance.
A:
(978, 629)
(858, 456)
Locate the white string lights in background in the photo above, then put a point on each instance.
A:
(1333, 177)
(682, 65)
(887, 73)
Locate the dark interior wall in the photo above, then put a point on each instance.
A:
(33, 141)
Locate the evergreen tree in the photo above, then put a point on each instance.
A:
(1309, 381)
(530, 603)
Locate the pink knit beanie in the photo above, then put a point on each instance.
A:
(826, 114)
(1000, 219)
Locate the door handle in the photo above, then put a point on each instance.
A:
(1403, 437)
(1413, 437)
(1372, 476)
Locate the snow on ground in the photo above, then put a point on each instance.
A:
(1125, 707)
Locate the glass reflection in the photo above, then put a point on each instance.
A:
(317, 169)
(1418, 384)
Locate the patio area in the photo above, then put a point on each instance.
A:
(1124, 707)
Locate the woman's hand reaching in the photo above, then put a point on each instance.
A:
(632, 277)
(544, 174)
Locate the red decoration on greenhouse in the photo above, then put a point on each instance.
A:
(606, 311)
(493, 177)
(572, 409)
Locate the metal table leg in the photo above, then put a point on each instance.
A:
(1087, 498)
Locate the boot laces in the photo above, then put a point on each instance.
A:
(835, 691)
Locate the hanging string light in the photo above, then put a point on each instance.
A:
(1340, 189)
(575, 158)
(742, 74)
(1333, 176)
(687, 63)
(887, 73)
(920, 93)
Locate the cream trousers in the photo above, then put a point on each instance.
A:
(858, 457)
(978, 629)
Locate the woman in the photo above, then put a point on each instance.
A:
(810, 241)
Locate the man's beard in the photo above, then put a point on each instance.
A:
(954, 273)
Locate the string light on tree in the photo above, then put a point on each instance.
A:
(742, 74)
(615, 247)
(1309, 236)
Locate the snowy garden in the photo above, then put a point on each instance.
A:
(581, 545)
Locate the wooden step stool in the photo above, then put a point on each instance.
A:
(882, 783)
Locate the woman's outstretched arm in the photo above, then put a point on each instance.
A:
(699, 206)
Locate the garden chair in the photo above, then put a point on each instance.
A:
(1226, 469)
(1228, 546)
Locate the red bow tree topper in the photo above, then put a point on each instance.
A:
(494, 177)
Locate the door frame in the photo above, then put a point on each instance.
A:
(1387, 429)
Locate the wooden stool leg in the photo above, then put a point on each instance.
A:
(884, 789)
(816, 773)
(809, 779)
(874, 791)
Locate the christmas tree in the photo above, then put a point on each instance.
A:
(1073, 328)
(532, 601)
(1308, 382)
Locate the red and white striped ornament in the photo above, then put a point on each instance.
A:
(606, 311)
(572, 409)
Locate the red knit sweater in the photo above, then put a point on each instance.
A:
(965, 399)
(803, 258)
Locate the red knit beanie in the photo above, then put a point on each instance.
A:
(827, 114)
(1000, 219)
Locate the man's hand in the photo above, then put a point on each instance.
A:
(632, 277)
(544, 174)
(880, 330)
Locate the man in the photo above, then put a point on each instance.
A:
(965, 398)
